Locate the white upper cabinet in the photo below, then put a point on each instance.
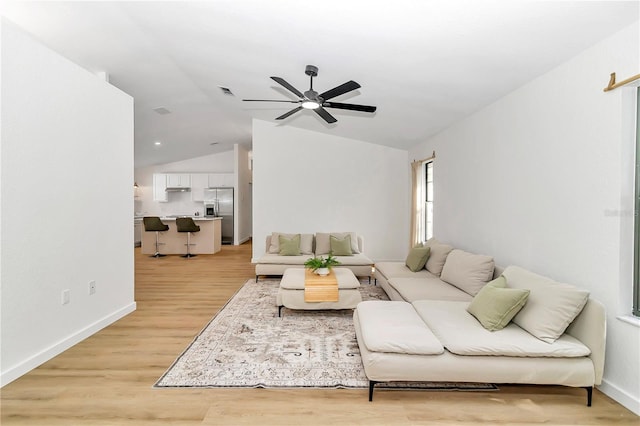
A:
(160, 187)
(221, 180)
(178, 180)
(199, 182)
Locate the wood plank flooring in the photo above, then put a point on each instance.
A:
(107, 379)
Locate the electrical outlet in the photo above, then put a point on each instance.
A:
(92, 287)
(66, 296)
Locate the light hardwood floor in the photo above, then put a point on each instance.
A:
(107, 379)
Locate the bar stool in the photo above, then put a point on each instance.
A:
(186, 224)
(154, 224)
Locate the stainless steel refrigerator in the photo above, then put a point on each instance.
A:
(222, 200)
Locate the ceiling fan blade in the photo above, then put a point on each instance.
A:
(269, 100)
(339, 90)
(287, 86)
(325, 115)
(287, 114)
(352, 107)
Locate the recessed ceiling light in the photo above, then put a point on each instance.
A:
(226, 90)
(157, 143)
(162, 111)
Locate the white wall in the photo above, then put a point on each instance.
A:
(67, 171)
(243, 196)
(543, 178)
(179, 202)
(307, 182)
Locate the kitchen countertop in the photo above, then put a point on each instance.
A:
(195, 218)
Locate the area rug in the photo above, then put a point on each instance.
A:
(247, 345)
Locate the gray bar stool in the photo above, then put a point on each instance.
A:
(154, 224)
(186, 224)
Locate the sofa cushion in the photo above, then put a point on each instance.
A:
(495, 305)
(306, 242)
(276, 259)
(467, 271)
(437, 256)
(289, 246)
(340, 246)
(355, 259)
(461, 334)
(323, 245)
(417, 258)
(400, 270)
(551, 307)
(395, 327)
(427, 288)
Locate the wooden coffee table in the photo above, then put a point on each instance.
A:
(340, 290)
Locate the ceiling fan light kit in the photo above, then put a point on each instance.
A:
(317, 102)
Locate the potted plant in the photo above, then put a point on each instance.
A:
(320, 265)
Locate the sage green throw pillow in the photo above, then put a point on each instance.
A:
(495, 304)
(340, 246)
(417, 258)
(289, 246)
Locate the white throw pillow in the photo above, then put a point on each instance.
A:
(306, 242)
(323, 244)
(467, 271)
(551, 306)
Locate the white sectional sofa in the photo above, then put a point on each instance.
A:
(272, 263)
(425, 332)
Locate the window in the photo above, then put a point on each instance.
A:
(636, 249)
(422, 200)
(428, 200)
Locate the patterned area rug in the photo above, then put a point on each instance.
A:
(247, 345)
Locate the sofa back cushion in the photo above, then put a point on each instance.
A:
(438, 253)
(306, 242)
(323, 245)
(551, 306)
(467, 271)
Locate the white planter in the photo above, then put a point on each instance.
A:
(322, 271)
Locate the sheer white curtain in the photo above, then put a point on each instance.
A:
(417, 202)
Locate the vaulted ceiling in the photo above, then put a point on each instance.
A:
(424, 64)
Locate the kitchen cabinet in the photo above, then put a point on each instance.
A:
(207, 241)
(160, 187)
(199, 182)
(178, 180)
(137, 232)
(221, 180)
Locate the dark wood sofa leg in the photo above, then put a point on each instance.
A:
(589, 394)
(372, 383)
(256, 278)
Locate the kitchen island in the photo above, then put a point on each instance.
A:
(207, 241)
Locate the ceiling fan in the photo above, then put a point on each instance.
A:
(317, 102)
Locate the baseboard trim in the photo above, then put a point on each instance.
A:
(244, 240)
(40, 358)
(620, 396)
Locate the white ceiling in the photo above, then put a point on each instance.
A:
(424, 64)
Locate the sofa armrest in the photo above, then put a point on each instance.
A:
(268, 243)
(590, 327)
(360, 244)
